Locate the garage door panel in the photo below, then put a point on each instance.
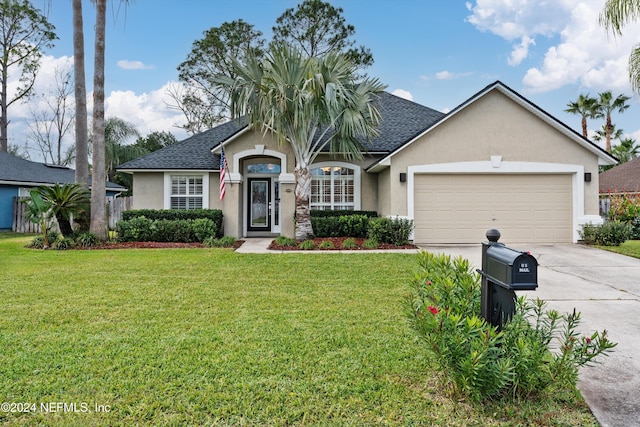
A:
(525, 208)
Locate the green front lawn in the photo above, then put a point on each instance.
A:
(630, 248)
(211, 337)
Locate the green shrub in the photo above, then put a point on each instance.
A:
(444, 308)
(394, 231)
(222, 242)
(62, 243)
(136, 229)
(326, 244)
(214, 215)
(315, 213)
(284, 241)
(203, 228)
(85, 240)
(340, 226)
(370, 244)
(36, 243)
(349, 243)
(306, 245)
(611, 233)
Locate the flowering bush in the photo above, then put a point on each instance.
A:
(444, 309)
(626, 209)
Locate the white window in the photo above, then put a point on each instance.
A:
(186, 191)
(335, 186)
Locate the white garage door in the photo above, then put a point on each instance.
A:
(453, 208)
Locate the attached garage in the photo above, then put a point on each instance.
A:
(460, 208)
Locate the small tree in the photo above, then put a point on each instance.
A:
(309, 104)
(39, 212)
(25, 32)
(64, 202)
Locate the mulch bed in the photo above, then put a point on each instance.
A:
(152, 245)
(337, 243)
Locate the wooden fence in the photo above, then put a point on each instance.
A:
(115, 207)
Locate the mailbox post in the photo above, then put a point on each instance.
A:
(504, 271)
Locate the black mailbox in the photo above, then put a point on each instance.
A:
(504, 271)
(511, 269)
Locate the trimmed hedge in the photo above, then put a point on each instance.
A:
(214, 215)
(142, 229)
(340, 226)
(320, 213)
(173, 225)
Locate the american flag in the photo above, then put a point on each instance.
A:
(223, 173)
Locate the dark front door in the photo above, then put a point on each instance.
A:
(259, 212)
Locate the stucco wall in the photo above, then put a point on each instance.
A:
(148, 190)
(493, 126)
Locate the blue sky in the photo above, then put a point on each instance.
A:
(437, 53)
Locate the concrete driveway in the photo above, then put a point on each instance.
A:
(605, 288)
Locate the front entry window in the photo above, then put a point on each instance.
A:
(333, 188)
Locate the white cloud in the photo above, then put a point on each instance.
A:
(147, 111)
(134, 65)
(521, 51)
(403, 94)
(448, 75)
(584, 54)
(444, 75)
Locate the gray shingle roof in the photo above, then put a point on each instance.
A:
(191, 153)
(401, 121)
(20, 171)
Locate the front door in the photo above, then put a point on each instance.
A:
(259, 212)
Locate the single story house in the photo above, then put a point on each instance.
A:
(19, 176)
(621, 179)
(495, 161)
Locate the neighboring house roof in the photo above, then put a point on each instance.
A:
(21, 172)
(401, 121)
(604, 157)
(623, 178)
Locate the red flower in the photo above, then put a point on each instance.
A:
(428, 282)
(433, 310)
(588, 340)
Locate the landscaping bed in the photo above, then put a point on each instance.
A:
(152, 245)
(338, 244)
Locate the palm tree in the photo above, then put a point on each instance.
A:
(80, 90)
(98, 174)
(615, 15)
(309, 104)
(65, 201)
(627, 150)
(586, 107)
(116, 132)
(606, 105)
(39, 212)
(601, 134)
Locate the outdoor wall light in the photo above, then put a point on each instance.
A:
(403, 177)
(587, 177)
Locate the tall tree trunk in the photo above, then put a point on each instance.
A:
(98, 190)
(304, 229)
(4, 122)
(82, 145)
(584, 126)
(608, 133)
